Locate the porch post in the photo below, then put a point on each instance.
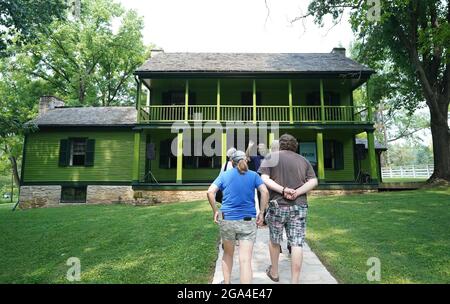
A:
(138, 101)
(254, 101)
(186, 101)
(271, 138)
(136, 150)
(322, 102)
(320, 157)
(224, 146)
(291, 114)
(180, 157)
(218, 101)
(372, 155)
(369, 104)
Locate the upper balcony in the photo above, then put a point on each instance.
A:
(219, 87)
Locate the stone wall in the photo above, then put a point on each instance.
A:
(169, 196)
(109, 194)
(39, 196)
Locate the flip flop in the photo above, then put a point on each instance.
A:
(275, 279)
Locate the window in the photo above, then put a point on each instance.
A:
(166, 159)
(247, 98)
(333, 155)
(329, 98)
(73, 195)
(177, 98)
(76, 152)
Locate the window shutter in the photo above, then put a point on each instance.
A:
(90, 151)
(64, 152)
(338, 155)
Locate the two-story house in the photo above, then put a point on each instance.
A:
(108, 154)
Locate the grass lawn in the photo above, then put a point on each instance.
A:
(174, 243)
(408, 231)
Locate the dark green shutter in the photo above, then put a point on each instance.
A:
(90, 152)
(64, 152)
(338, 155)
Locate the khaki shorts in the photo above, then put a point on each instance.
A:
(238, 230)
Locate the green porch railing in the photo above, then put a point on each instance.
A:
(333, 114)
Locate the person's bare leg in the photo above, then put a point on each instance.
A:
(274, 250)
(296, 263)
(245, 261)
(227, 260)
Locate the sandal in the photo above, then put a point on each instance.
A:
(268, 270)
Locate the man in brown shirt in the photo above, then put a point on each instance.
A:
(289, 177)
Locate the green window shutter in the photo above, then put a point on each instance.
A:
(338, 155)
(90, 151)
(64, 152)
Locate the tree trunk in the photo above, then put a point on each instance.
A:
(441, 143)
(15, 170)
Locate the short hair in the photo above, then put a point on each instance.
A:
(288, 142)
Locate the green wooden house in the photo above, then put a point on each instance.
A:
(107, 154)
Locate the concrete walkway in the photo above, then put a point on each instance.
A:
(313, 271)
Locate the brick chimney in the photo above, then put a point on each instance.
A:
(339, 51)
(155, 52)
(47, 103)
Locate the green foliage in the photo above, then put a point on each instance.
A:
(88, 61)
(407, 154)
(408, 232)
(21, 20)
(172, 243)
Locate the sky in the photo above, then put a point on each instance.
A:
(235, 26)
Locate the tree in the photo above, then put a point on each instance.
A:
(86, 61)
(20, 20)
(18, 96)
(413, 38)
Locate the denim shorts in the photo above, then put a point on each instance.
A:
(238, 230)
(289, 217)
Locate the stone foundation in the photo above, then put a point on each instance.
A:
(39, 196)
(171, 196)
(109, 194)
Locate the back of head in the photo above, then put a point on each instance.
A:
(288, 142)
(239, 160)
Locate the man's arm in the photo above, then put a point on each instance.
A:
(274, 186)
(211, 194)
(308, 186)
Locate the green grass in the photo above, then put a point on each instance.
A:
(404, 180)
(408, 231)
(174, 243)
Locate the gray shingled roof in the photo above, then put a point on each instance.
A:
(87, 116)
(363, 141)
(252, 62)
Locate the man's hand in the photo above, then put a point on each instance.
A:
(289, 194)
(216, 217)
(260, 219)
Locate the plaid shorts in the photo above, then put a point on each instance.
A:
(292, 218)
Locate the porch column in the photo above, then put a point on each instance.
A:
(322, 102)
(372, 155)
(186, 101)
(138, 100)
(320, 156)
(136, 150)
(291, 113)
(218, 101)
(180, 157)
(254, 101)
(224, 146)
(368, 104)
(271, 138)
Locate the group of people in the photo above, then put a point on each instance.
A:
(282, 178)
